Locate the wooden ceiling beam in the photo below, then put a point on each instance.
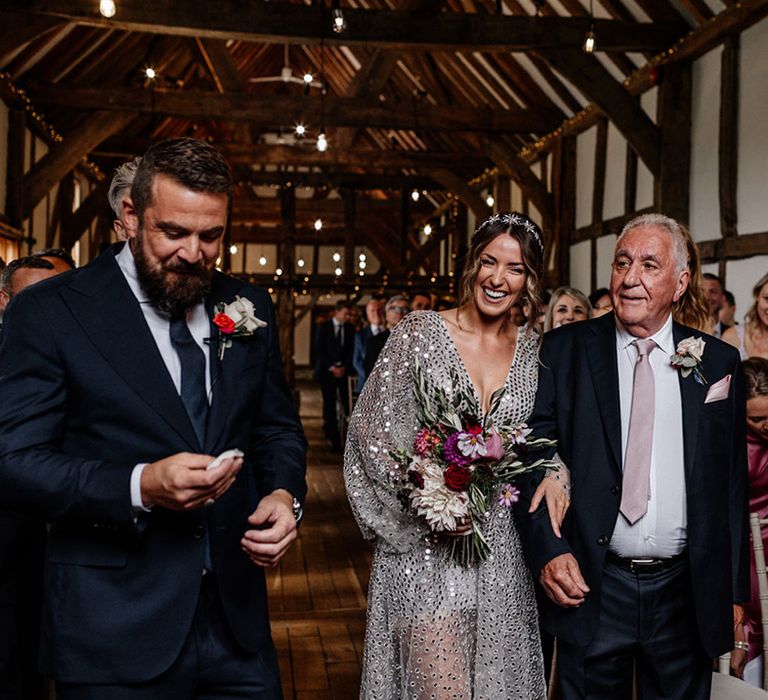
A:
(220, 64)
(20, 28)
(458, 186)
(267, 210)
(276, 110)
(301, 24)
(355, 181)
(589, 76)
(64, 156)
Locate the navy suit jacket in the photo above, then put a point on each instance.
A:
(577, 404)
(86, 397)
(328, 352)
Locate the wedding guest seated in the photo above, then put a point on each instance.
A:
(713, 289)
(751, 337)
(61, 260)
(567, 305)
(601, 302)
(396, 307)
(421, 301)
(747, 656)
(728, 312)
(517, 315)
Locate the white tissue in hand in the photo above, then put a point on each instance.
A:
(225, 455)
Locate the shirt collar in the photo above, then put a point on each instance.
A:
(127, 264)
(662, 337)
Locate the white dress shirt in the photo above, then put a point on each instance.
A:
(662, 531)
(160, 326)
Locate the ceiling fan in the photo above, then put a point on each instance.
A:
(286, 75)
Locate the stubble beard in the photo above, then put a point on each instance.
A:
(172, 294)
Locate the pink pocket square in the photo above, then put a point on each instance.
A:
(719, 390)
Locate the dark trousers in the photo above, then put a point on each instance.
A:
(211, 665)
(332, 388)
(647, 624)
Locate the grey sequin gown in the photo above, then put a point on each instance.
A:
(435, 629)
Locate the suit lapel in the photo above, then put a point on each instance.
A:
(692, 396)
(226, 371)
(107, 310)
(601, 352)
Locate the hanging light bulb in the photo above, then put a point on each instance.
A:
(590, 40)
(301, 130)
(300, 262)
(427, 229)
(336, 257)
(279, 271)
(337, 272)
(262, 261)
(322, 142)
(308, 78)
(362, 264)
(318, 224)
(233, 249)
(415, 195)
(339, 21)
(107, 8)
(151, 73)
(362, 257)
(489, 200)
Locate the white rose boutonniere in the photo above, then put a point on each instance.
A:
(235, 320)
(687, 358)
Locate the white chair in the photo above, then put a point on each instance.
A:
(755, 524)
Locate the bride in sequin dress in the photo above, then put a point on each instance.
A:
(437, 630)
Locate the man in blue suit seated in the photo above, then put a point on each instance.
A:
(121, 383)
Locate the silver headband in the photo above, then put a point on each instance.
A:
(511, 219)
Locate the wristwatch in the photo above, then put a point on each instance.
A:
(298, 510)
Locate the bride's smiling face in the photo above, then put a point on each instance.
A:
(501, 278)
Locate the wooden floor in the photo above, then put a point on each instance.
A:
(317, 595)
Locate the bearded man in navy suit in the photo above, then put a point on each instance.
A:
(649, 416)
(119, 389)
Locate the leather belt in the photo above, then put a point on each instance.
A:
(644, 565)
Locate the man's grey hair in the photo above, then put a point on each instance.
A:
(393, 300)
(122, 181)
(668, 224)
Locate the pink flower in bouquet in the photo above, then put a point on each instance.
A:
(452, 453)
(508, 495)
(494, 447)
(518, 435)
(425, 442)
(471, 445)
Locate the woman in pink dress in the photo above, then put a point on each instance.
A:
(756, 375)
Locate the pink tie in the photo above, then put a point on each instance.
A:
(637, 461)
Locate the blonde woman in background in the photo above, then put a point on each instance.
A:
(751, 338)
(567, 305)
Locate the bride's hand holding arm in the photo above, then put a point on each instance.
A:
(555, 490)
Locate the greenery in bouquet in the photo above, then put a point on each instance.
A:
(459, 463)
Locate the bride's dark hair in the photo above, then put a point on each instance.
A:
(531, 241)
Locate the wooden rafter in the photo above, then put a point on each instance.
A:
(300, 24)
(275, 110)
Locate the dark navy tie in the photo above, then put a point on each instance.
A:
(193, 393)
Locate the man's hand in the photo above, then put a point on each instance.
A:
(181, 482)
(562, 581)
(338, 372)
(276, 529)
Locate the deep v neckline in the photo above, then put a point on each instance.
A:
(463, 365)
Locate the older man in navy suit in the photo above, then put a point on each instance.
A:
(121, 382)
(649, 416)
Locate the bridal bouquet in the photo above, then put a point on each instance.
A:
(459, 463)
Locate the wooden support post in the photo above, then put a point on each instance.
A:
(598, 194)
(503, 193)
(405, 224)
(350, 218)
(14, 194)
(728, 143)
(564, 193)
(630, 181)
(463, 235)
(672, 191)
(286, 303)
(62, 213)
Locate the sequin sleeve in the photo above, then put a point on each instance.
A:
(384, 420)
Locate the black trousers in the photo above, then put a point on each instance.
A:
(211, 665)
(332, 389)
(647, 625)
